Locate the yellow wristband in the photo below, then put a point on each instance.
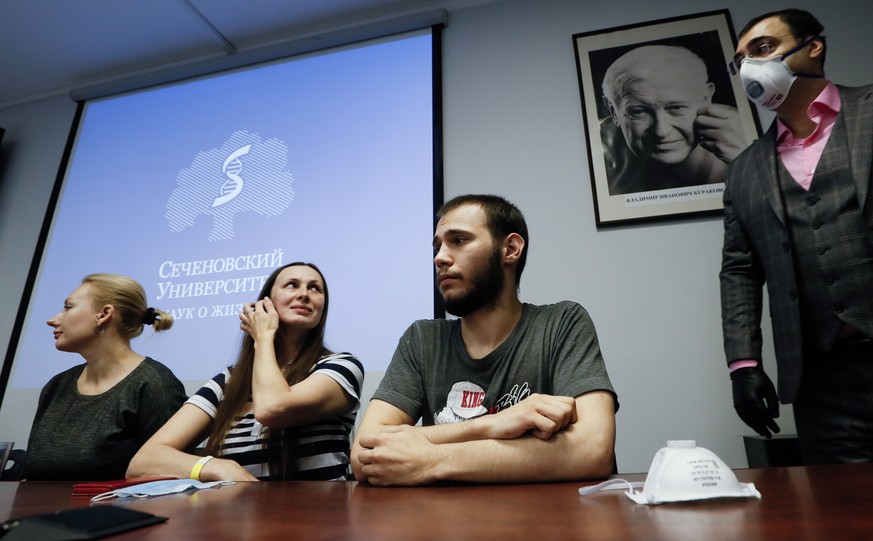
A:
(195, 471)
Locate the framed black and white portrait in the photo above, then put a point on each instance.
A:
(663, 118)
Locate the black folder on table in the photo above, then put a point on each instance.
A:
(76, 524)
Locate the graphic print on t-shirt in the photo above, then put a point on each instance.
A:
(513, 397)
(464, 402)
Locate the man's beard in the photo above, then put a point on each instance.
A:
(485, 287)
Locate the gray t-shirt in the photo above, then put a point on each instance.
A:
(78, 437)
(553, 350)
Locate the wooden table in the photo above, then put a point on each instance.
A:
(813, 503)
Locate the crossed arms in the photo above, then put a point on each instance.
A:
(543, 438)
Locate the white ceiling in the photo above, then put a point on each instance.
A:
(48, 47)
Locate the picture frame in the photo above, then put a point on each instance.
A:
(659, 136)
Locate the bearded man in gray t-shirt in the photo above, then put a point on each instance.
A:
(510, 392)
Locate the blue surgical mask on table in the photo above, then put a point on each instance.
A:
(682, 472)
(768, 81)
(158, 488)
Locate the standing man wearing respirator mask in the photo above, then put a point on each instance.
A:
(799, 216)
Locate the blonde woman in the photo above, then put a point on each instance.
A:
(285, 410)
(92, 418)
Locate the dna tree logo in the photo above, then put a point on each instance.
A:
(234, 184)
(244, 175)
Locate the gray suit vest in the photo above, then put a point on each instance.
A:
(833, 254)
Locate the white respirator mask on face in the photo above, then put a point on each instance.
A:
(682, 472)
(768, 81)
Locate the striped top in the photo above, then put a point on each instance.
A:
(322, 447)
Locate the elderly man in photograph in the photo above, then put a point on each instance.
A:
(798, 217)
(664, 131)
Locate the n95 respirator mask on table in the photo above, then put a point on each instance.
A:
(682, 472)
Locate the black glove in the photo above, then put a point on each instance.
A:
(755, 399)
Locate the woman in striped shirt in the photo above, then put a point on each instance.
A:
(285, 410)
